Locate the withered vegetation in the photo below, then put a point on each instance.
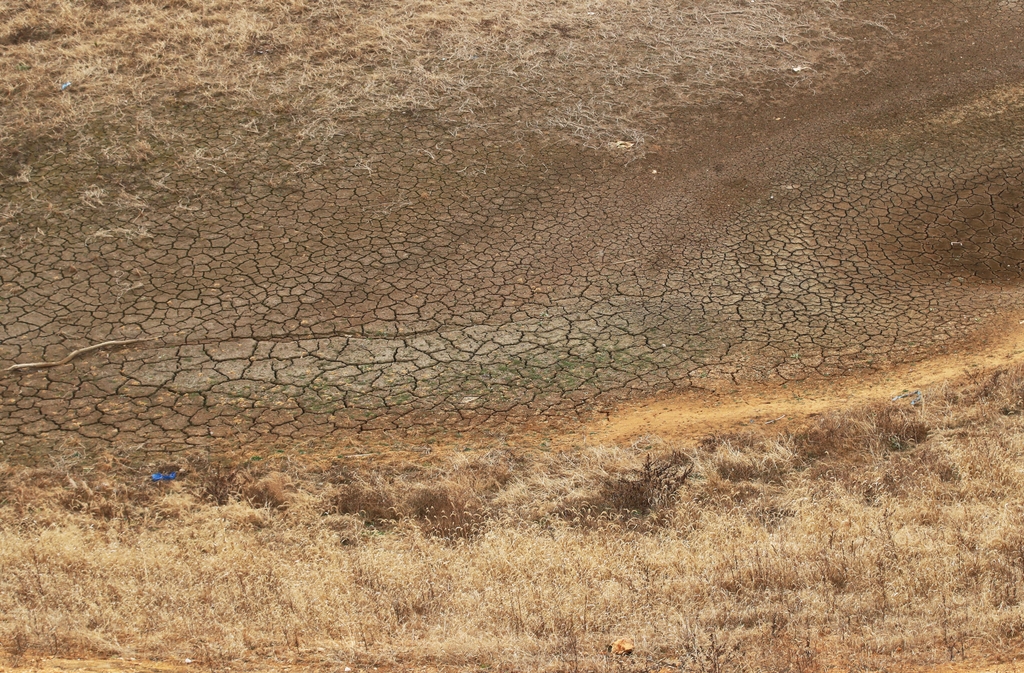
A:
(873, 535)
(601, 70)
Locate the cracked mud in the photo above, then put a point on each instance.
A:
(424, 275)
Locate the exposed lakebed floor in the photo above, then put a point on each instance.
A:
(417, 272)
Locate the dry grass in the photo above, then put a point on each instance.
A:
(876, 535)
(603, 70)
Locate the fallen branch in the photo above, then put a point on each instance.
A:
(74, 354)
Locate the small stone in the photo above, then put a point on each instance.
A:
(622, 646)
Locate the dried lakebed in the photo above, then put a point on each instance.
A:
(424, 276)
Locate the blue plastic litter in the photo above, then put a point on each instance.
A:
(159, 476)
(65, 85)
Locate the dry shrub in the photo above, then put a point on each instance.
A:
(271, 490)
(221, 483)
(448, 503)
(218, 483)
(371, 501)
(892, 426)
(445, 510)
(897, 427)
(832, 434)
(652, 486)
(761, 461)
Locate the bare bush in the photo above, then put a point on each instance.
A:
(654, 485)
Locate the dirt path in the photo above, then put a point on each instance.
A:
(777, 406)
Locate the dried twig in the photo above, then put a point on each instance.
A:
(74, 354)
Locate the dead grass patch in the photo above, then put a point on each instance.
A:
(835, 546)
(600, 70)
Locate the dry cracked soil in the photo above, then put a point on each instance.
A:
(415, 274)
